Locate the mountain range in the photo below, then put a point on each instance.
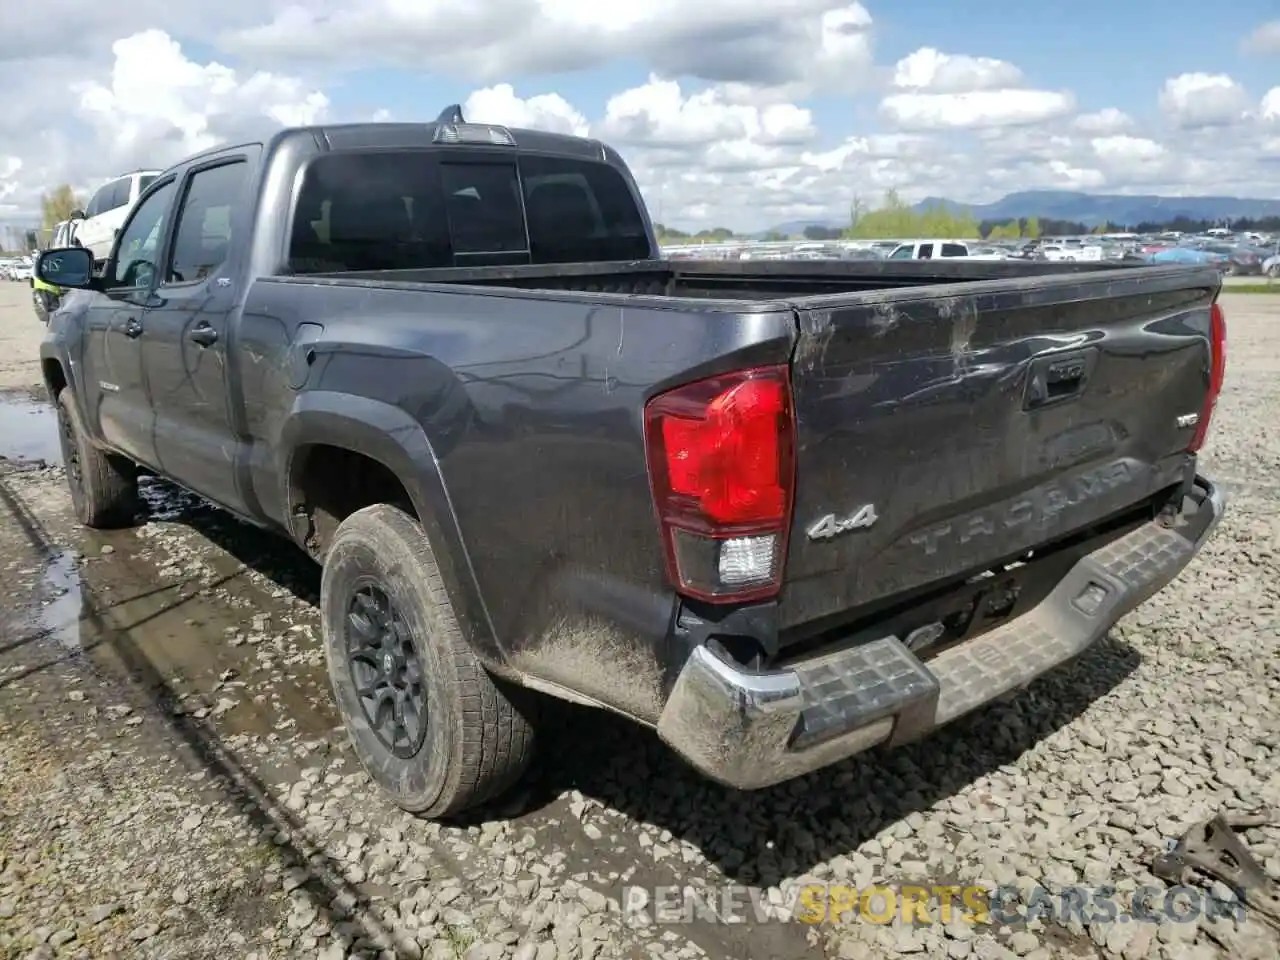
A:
(1090, 209)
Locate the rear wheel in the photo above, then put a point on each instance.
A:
(104, 486)
(428, 722)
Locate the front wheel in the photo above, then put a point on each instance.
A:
(1274, 271)
(104, 486)
(44, 303)
(427, 721)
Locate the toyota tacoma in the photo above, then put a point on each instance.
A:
(779, 512)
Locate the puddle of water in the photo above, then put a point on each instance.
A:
(28, 430)
(60, 617)
(182, 640)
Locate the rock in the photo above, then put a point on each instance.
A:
(143, 932)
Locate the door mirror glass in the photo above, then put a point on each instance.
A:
(65, 267)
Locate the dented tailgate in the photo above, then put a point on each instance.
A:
(941, 430)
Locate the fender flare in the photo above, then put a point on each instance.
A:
(387, 434)
(57, 352)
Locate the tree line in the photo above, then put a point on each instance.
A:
(895, 218)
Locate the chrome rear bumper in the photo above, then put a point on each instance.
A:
(751, 729)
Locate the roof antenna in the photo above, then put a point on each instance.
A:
(451, 114)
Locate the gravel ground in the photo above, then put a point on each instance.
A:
(173, 783)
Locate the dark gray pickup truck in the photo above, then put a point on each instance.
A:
(780, 512)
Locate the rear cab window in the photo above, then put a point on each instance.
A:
(421, 209)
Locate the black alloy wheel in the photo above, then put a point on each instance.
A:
(386, 670)
(71, 457)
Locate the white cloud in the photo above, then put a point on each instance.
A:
(1127, 148)
(1270, 107)
(806, 43)
(547, 111)
(979, 108)
(1106, 121)
(942, 91)
(928, 70)
(1264, 39)
(1196, 100)
(157, 106)
(746, 119)
(659, 115)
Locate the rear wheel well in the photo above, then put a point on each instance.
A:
(54, 379)
(329, 483)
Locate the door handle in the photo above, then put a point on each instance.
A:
(1058, 377)
(132, 328)
(204, 335)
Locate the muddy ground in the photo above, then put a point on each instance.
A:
(173, 782)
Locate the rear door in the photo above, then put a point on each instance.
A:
(949, 428)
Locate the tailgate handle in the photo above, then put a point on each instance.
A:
(1058, 377)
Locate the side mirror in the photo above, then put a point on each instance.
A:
(76, 215)
(70, 267)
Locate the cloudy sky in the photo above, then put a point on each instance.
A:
(735, 113)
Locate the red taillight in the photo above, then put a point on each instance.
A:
(721, 462)
(1217, 372)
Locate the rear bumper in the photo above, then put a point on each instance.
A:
(751, 729)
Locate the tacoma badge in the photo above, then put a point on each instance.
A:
(832, 526)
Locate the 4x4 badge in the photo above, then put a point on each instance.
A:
(832, 526)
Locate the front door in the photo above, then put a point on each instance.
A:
(185, 352)
(116, 332)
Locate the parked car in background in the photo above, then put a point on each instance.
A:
(107, 210)
(20, 269)
(1236, 260)
(1188, 255)
(929, 250)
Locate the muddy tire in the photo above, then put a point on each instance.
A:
(427, 721)
(104, 486)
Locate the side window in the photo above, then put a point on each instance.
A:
(203, 237)
(139, 246)
(120, 193)
(926, 251)
(954, 250)
(482, 203)
(95, 206)
(902, 253)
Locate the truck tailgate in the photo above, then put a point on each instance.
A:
(944, 430)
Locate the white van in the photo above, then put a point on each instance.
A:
(929, 250)
(106, 212)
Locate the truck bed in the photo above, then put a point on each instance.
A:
(911, 386)
(749, 280)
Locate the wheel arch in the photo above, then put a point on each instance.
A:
(328, 433)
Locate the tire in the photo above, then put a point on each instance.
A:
(1274, 272)
(104, 486)
(478, 736)
(44, 303)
